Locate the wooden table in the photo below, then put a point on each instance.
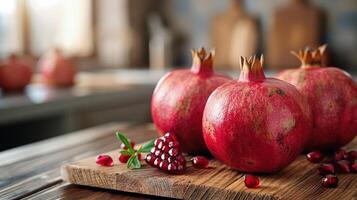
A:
(33, 171)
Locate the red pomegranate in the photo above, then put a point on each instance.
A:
(15, 74)
(179, 99)
(256, 124)
(332, 95)
(56, 70)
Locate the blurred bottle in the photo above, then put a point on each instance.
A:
(160, 45)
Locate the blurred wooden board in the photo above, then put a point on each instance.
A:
(298, 181)
(295, 26)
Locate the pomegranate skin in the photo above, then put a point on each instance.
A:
(256, 124)
(332, 95)
(56, 70)
(15, 75)
(179, 98)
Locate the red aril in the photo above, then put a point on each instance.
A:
(326, 168)
(104, 160)
(251, 181)
(199, 162)
(256, 124)
(329, 181)
(352, 155)
(15, 74)
(179, 99)
(56, 70)
(124, 158)
(343, 166)
(354, 166)
(332, 95)
(315, 156)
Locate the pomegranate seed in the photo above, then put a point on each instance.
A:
(326, 168)
(150, 158)
(139, 156)
(354, 167)
(181, 158)
(173, 152)
(173, 144)
(157, 153)
(251, 181)
(199, 162)
(169, 135)
(124, 158)
(163, 165)
(172, 167)
(122, 146)
(165, 149)
(340, 155)
(160, 145)
(164, 156)
(343, 166)
(104, 160)
(157, 161)
(157, 141)
(315, 156)
(352, 155)
(329, 181)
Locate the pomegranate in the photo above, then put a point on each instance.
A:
(332, 95)
(56, 70)
(256, 124)
(179, 99)
(14, 74)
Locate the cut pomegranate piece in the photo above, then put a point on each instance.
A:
(199, 162)
(315, 156)
(166, 155)
(329, 181)
(251, 181)
(326, 168)
(104, 160)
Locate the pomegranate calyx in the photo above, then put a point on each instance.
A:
(311, 57)
(251, 69)
(202, 61)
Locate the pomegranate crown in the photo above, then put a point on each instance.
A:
(202, 61)
(311, 57)
(251, 68)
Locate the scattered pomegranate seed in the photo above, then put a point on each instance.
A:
(251, 181)
(315, 156)
(122, 146)
(199, 162)
(326, 168)
(104, 160)
(166, 155)
(343, 166)
(329, 181)
(352, 155)
(340, 155)
(124, 158)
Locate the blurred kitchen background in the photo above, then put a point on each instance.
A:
(121, 48)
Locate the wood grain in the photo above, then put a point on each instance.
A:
(297, 181)
(32, 169)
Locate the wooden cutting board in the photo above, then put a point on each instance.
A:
(298, 181)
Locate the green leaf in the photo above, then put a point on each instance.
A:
(124, 152)
(126, 142)
(133, 162)
(147, 146)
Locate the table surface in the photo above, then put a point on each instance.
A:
(33, 171)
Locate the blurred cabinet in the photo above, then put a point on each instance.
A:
(295, 26)
(233, 34)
